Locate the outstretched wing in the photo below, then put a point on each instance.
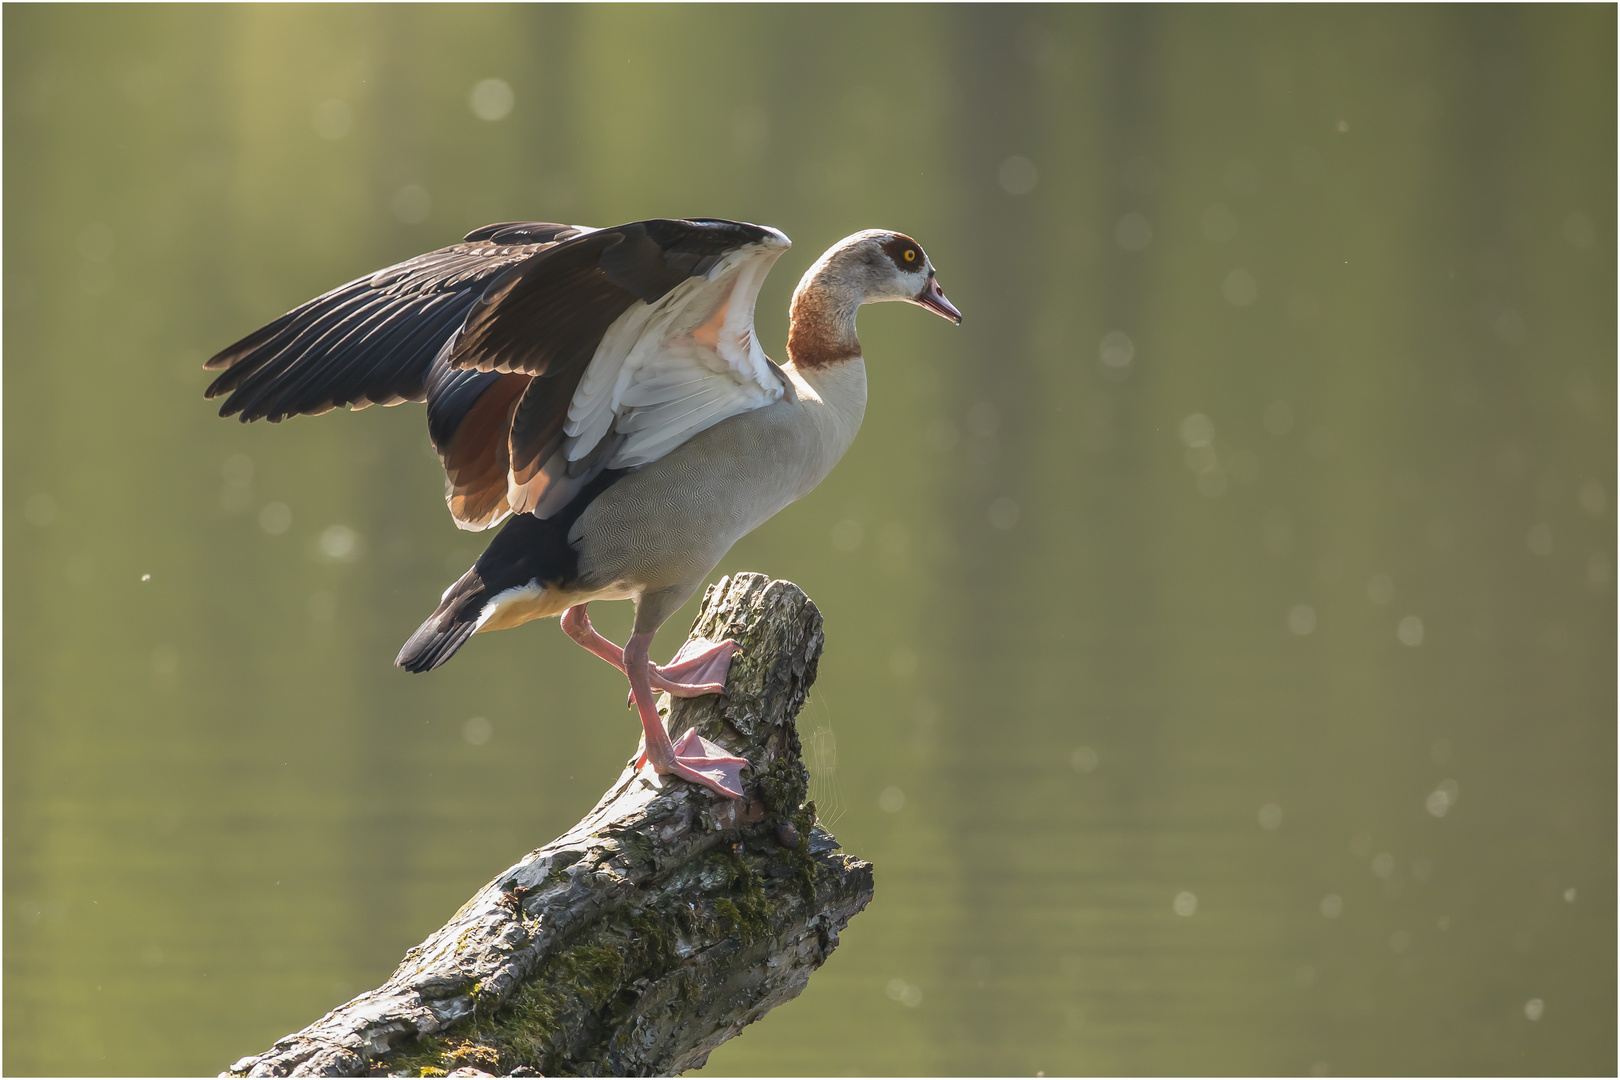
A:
(546, 353)
(630, 339)
(370, 342)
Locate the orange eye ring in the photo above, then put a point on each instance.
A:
(911, 255)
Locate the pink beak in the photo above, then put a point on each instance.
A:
(933, 298)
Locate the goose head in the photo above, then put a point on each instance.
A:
(869, 267)
(877, 265)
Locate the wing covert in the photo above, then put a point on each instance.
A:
(658, 372)
(664, 306)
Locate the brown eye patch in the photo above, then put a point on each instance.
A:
(905, 252)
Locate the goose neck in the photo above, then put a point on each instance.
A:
(821, 324)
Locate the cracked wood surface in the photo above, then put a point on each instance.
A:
(651, 932)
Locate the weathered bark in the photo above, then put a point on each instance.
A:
(651, 932)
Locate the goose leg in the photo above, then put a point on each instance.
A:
(694, 758)
(699, 667)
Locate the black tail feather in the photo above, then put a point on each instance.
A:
(448, 628)
(433, 644)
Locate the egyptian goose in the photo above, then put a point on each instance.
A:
(603, 392)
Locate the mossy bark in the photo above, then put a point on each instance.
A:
(654, 930)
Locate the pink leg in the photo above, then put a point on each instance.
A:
(699, 667)
(577, 625)
(694, 758)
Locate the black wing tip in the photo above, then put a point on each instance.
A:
(245, 411)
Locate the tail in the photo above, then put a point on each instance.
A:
(448, 628)
(528, 556)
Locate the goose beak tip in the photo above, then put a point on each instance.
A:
(933, 298)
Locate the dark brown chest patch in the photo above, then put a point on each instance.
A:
(808, 348)
(817, 335)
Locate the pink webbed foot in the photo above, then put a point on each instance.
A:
(700, 667)
(693, 758)
(702, 762)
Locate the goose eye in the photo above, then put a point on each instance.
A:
(911, 254)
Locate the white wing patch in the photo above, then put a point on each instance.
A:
(667, 370)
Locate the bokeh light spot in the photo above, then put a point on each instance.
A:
(1003, 513)
(275, 518)
(1212, 483)
(1017, 176)
(847, 535)
(1133, 232)
(332, 119)
(1240, 288)
(1197, 430)
(1217, 223)
(40, 510)
(1578, 231)
(1277, 532)
(411, 204)
(1441, 799)
(1115, 353)
(491, 99)
(340, 543)
(1510, 327)
(903, 992)
(1410, 632)
(477, 731)
(1380, 588)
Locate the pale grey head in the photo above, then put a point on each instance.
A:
(875, 265)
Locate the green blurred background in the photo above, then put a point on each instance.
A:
(1221, 623)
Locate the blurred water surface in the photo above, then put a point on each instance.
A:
(1221, 623)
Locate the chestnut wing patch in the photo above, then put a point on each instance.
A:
(469, 413)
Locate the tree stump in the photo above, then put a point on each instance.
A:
(651, 932)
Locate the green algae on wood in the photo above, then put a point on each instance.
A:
(657, 928)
